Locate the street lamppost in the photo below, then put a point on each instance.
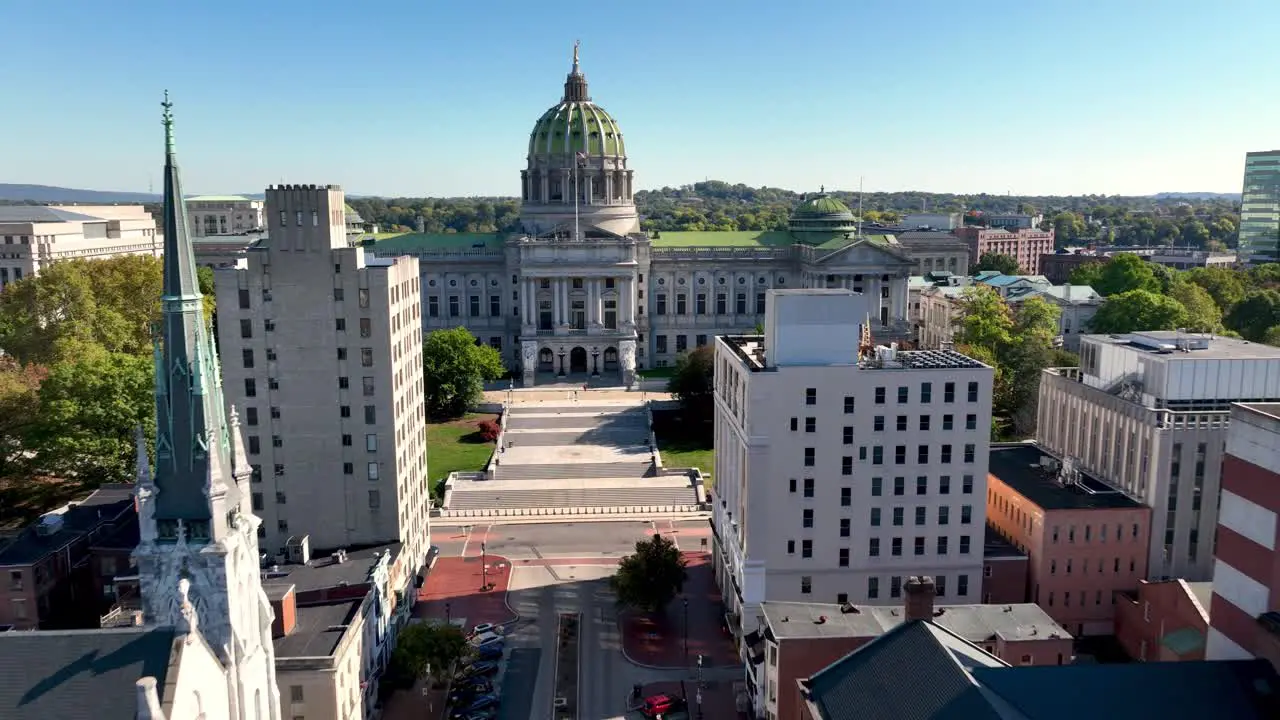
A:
(484, 565)
(595, 362)
(448, 616)
(698, 696)
(561, 362)
(685, 602)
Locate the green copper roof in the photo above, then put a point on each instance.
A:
(389, 244)
(573, 127)
(822, 206)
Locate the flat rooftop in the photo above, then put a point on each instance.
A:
(325, 572)
(1199, 346)
(67, 524)
(751, 350)
(975, 623)
(319, 629)
(1271, 410)
(1023, 467)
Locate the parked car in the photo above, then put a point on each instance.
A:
(492, 651)
(463, 694)
(486, 639)
(483, 702)
(484, 629)
(661, 705)
(478, 669)
(487, 714)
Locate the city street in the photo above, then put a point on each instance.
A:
(563, 568)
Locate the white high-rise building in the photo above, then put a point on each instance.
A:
(843, 469)
(1148, 413)
(322, 352)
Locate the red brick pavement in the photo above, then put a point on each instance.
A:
(659, 641)
(456, 582)
(717, 698)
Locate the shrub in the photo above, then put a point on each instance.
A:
(489, 430)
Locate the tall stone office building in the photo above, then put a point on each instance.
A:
(580, 288)
(321, 349)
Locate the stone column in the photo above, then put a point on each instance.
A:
(902, 291)
(564, 301)
(608, 187)
(588, 183)
(528, 314)
(546, 186)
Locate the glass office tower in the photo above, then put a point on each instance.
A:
(1260, 208)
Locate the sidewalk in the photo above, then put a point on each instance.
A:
(660, 641)
(717, 697)
(453, 590)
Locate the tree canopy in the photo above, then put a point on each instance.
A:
(426, 648)
(650, 578)
(1135, 310)
(1122, 273)
(693, 383)
(1003, 264)
(1202, 313)
(455, 368)
(1257, 313)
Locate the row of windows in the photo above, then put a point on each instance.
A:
(942, 546)
(899, 487)
(700, 306)
(945, 455)
(925, 424)
(1100, 565)
(339, 295)
(925, 395)
(473, 305)
(895, 586)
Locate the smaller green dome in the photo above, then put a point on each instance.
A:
(823, 206)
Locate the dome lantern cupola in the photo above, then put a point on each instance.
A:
(575, 86)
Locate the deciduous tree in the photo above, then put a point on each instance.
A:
(1004, 264)
(985, 320)
(1136, 310)
(1028, 353)
(19, 410)
(1224, 285)
(652, 577)
(1203, 314)
(1121, 273)
(1256, 314)
(455, 369)
(693, 383)
(426, 649)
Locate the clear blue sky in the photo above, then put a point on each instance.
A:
(437, 97)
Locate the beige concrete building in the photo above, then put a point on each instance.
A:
(224, 215)
(942, 306)
(33, 236)
(843, 469)
(321, 350)
(935, 251)
(1148, 413)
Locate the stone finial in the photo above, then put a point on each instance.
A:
(148, 700)
(188, 609)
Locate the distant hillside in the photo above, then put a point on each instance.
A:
(48, 194)
(1197, 196)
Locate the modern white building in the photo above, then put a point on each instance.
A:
(843, 469)
(942, 305)
(35, 235)
(224, 215)
(321, 350)
(1148, 413)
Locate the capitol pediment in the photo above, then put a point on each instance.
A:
(863, 253)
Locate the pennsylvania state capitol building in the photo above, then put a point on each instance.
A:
(581, 289)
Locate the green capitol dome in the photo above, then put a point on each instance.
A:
(824, 214)
(576, 125)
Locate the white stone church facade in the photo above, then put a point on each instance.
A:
(581, 290)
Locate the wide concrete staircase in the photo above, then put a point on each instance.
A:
(572, 459)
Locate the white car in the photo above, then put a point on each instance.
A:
(483, 629)
(485, 639)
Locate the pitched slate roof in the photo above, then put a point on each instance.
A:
(79, 674)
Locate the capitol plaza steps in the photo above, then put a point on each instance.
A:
(574, 471)
(608, 495)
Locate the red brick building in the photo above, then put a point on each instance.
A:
(1164, 621)
(1086, 540)
(1004, 571)
(797, 640)
(1245, 610)
(1025, 245)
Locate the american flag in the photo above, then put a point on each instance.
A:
(582, 159)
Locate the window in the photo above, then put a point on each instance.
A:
(940, 585)
(791, 547)
(806, 518)
(273, 384)
(944, 515)
(340, 324)
(848, 435)
(366, 385)
(877, 488)
(966, 485)
(896, 547)
(946, 454)
(810, 424)
(256, 473)
(337, 294)
(455, 309)
(895, 586)
(973, 397)
(924, 423)
(970, 452)
(949, 392)
(811, 396)
(808, 487)
(962, 586)
(806, 584)
(344, 411)
(722, 304)
(343, 383)
(922, 513)
(473, 305)
(366, 357)
(873, 587)
(244, 298)
(342, 353)
(251, 416)
(964, 544)
(700, 304)
(904, 395)
(662, 344)
(808, 457)
(848, 404)
(346, 440)
(922, 485)
(371, 443)
(246, 356)
(844, 527)
(250, 387)
(966, 514)
(875, 517)
(740, 303)
(873, 547)
(370, 415)
(944, 484)
(846, 497)
(806, 548)
(366, 327)
(919, 546)
(844, 557)
(372, 470)
(759, 303)
(375, 499)
(879, 396)
(433, 306)
(970, 422)
(682, 304)
(878, 425)
(295, 691)
(899, 486)
(842, 598)
(926, 392)
(660, 304)
(942, 544)
(277, 441)
(902, 423)
(948, 422)
(900, 455)
(898, 515)
(246, 329)
(846, 465)
(922, 454)
(792, 485)
(255, 445)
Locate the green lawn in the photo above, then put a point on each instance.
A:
(455, 446)
(682, 446)
(661, 372)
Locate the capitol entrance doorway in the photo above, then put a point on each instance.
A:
(578, 360)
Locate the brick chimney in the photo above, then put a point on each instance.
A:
(919, 593)
(284, 603)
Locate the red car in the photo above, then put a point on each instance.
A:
(661, 705)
